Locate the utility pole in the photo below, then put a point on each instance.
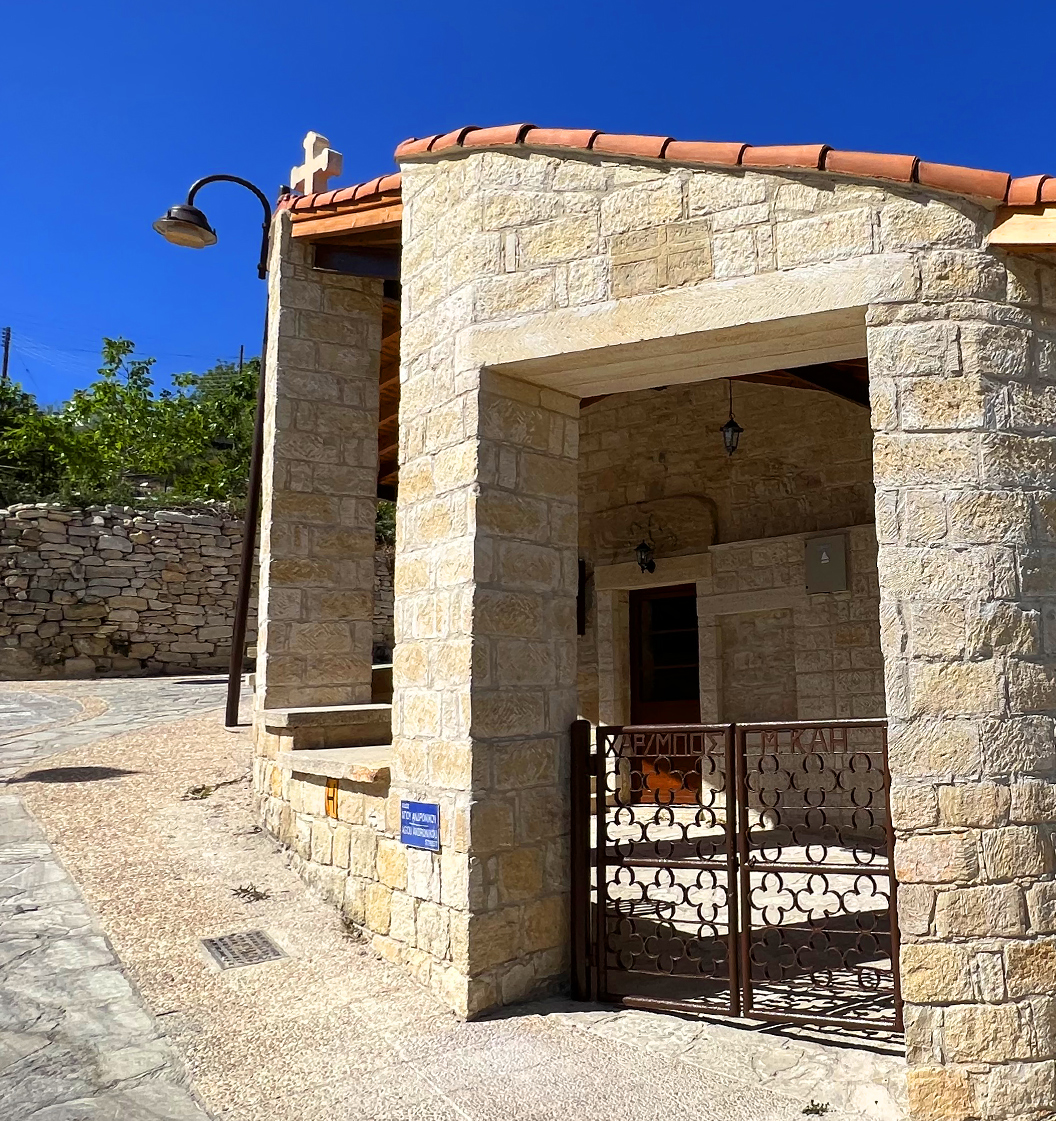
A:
(6, 335)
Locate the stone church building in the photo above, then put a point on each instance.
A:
(534, 340)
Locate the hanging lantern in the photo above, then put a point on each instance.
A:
(731, 430)
(644, 555)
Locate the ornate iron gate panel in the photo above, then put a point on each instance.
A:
(737, 870)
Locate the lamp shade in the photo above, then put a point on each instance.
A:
(186, 225)
(643, 554)
(731, 435)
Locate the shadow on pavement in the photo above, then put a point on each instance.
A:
(72, 774)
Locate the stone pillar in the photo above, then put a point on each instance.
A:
(485, 681)
(964, 407)
(320, 482)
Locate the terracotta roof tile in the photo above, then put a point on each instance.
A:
(1048, 190)
(365, 190)
(1026, 191)
(703, 151)
(415, 146)
(785, 155)
(964, 180)
(623, 144)
(499, 136)
(872, 165)
(368, 192)
(560, 137)
(452, 139)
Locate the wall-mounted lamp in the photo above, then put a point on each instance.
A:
(731, 430)
(643, 554)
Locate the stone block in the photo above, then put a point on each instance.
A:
(1017, 851)
(432, 929)
(924, 223)
(985, 1033)
(652, 203)
(979, 805)
(545, 923)
(936, 858)
(521, 874)
(561, 239)
(1030, 968)
(955, 688)
(378, 907)
(830, 236)
(1018, 1089)
(961, 275)
(401, 918)
(392, 863)
(322, 843)
(935, 973)
(940, 1094)
(992, 910)
(708, 193)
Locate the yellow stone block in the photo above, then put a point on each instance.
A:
(392, 863)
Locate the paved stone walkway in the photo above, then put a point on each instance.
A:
(35, 717)
(329, 1033)
(77, 1042)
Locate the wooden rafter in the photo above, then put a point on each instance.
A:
(1024, 229)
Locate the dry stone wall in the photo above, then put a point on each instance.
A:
(114, 590)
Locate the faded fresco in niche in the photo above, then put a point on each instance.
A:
(675, 526)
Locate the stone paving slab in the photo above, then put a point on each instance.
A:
(76, 1040)
(36, 722)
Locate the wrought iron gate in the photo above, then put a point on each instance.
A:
(741, 870)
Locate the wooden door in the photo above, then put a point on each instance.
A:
(665, 677)
(665, 656)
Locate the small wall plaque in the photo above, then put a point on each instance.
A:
(827, 564)
(420, 825)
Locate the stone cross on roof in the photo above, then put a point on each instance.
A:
(321, 163)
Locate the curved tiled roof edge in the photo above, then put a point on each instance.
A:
(994, 186)
(374, 191)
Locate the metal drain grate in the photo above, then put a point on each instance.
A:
(250, 948)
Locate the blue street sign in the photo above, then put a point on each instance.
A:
(420, 825)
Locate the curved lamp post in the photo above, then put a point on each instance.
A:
(186, 225)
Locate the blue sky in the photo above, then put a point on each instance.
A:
(109, 110)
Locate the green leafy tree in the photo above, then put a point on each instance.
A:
(191, 442)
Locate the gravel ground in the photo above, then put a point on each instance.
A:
(334, 1032)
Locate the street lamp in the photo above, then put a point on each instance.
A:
(186, 225)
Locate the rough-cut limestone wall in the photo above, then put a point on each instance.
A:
(384, 638)
(319, 481)
(963, 363)
(964, 404)
(819, 658)
(353, 860)
(116, 590)
(653, 465)
(650, 460)
(123, 591)
(535, 233)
